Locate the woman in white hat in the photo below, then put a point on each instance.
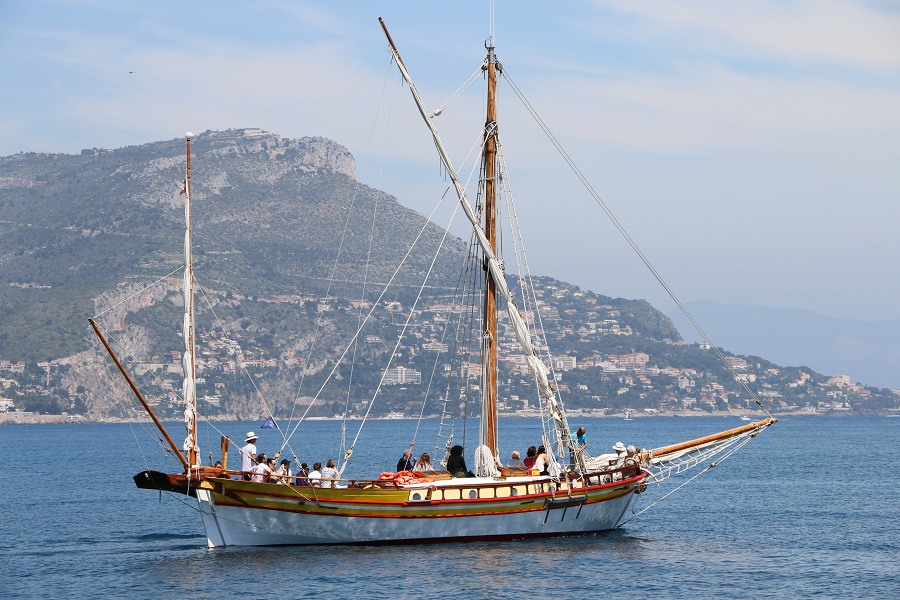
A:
(248, 455)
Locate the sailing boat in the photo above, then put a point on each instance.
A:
(628, 415)
(575, 493)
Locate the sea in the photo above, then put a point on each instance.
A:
(808, 509)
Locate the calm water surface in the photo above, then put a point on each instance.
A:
(807, 510)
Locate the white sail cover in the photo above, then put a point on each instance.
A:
(485, 462)
(189, 386)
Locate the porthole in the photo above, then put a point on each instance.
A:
(417, 496)
(515, 492)
(473, 493)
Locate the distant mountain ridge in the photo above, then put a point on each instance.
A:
(283, 269)
(866, 351)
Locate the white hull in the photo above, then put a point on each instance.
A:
(244, 526)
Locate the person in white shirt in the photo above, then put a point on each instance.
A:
(248, 455)
(329, 474)
(621, 454)
(542, 462)
(315, 476)
(262, 470)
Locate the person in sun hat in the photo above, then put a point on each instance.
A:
(248, 455)
(621, 452)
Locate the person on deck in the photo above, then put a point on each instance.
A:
(581, 438)
(621, 454)
(329, 474)
(579, 443)
(632, 453)
(406, 461)
(248, 455)
(456, 464)
(542, 461)
(303, 475)
(315, 476)
(423, 464)
(262, 470)
(283, 472)
(515, 462)
(530, 455)
(272, 464)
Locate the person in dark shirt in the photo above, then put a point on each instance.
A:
(456, 464)
(406, 461)
(302, 475)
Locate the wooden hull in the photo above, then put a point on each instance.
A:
(242, 513)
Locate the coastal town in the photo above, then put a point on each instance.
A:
(607, 361)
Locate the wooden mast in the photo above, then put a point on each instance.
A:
(190, 399)
(489, 409)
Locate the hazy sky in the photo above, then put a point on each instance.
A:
(752, 149)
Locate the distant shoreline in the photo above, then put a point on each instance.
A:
(32, 419)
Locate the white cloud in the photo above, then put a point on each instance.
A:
(837, 32)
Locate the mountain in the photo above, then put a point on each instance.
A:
(287, 273)
(74, 226)
(866, 351)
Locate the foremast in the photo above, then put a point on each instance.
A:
(188, 363)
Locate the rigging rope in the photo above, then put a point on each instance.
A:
(141, 291)
(621, 229)
(708, 467)
(412, 311)
(375, 305)
(457, 93)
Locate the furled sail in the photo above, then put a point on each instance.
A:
(189, 385)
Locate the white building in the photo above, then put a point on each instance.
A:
(402, 375)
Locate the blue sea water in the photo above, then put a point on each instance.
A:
(809, 509)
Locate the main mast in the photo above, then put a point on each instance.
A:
(489, 336)
(189, 388)
(494, 267)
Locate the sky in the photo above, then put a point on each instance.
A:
(751, 149)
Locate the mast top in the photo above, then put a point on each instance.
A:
(491, 57)
(188, 135)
